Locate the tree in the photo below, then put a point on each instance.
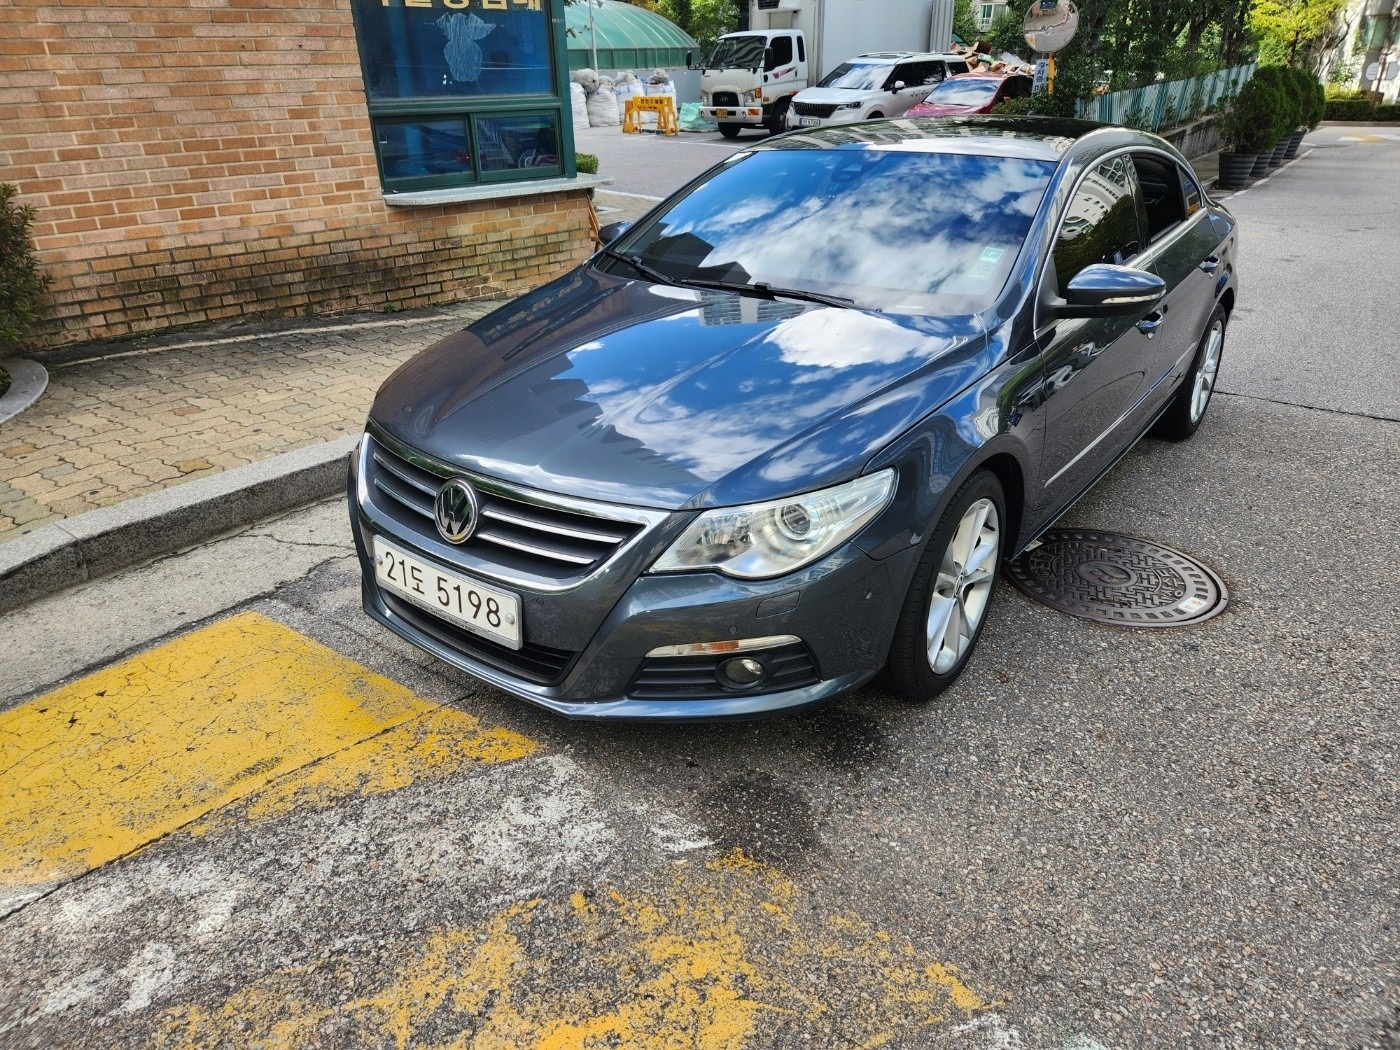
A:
(1289, 30)
(705, 20)
(1006, 32)
(964, 22)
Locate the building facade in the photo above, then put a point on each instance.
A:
(217, 159)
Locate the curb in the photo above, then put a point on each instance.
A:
(28, 381)
(103, 541)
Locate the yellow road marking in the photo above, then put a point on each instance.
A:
(728, 956)
(98, 768)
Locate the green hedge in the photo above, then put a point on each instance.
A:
(1389, 113)
(1349, 109)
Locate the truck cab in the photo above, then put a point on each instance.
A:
(749, 78)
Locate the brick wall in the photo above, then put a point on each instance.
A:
(208, 159)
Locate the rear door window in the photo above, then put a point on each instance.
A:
(1163, 202)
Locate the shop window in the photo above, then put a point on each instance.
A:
(464, 91)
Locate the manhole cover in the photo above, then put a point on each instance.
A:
(1118, 579)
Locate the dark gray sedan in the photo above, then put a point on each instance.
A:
(776, 439)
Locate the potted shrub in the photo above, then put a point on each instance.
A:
(1246, 131)
(1314, 101)
(1292, 111)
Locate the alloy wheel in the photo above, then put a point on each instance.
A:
(964, 586)
(1206, 371)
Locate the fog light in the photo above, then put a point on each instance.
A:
(742, 671)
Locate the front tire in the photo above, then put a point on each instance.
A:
(777, 119)
(946, 606)
(1192, 398)
(729, 131)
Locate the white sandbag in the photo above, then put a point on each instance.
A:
(665, 88)
(602, 110)
(578, 103)
(587, 77)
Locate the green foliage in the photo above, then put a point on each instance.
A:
(1390, 113)
(1349, 109)
(1006, 32)
(1288, 30)
(1255, 120)
(705, 20)
(1296, 102)
(1060, 104)
(964, 21)
(586, 163)
(1337, 94)
(22, 283)
(4, 382)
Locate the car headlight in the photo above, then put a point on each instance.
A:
(771, 539)
(750, 96)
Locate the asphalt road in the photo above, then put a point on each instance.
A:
(261, 821)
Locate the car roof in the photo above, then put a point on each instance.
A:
(903, 56)
(987, 74)
(1028, 138)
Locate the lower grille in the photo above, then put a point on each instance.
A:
(813, 109)
(724, 98)
(536, 663)
(697, 677)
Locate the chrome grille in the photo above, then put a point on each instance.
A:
(514, 533)
(813, 109)
(724, 98)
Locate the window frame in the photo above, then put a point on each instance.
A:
(1047, 278)
(472, 109)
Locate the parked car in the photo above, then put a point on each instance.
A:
(881, 84)
(777, 438)
(972, 93)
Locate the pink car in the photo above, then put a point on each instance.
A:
(971, 93)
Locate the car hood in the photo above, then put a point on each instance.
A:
(934, 109)
(834, 96)
(650, 395)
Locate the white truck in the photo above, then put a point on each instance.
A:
(749, 78)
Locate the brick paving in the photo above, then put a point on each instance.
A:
(122, 419)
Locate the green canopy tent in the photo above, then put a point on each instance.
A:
(627, 37)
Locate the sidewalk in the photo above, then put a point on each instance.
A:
(120, 420)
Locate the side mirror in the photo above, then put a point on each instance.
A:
(1102, 290)
(612, 231)
(768, 62)
(899, 85)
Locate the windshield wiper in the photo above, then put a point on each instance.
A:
(635, 261)
(771, 292)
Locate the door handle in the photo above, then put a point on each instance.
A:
(1148, 325)
(1209, 266)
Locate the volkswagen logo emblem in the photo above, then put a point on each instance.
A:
(456, 510)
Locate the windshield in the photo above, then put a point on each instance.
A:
(963, 92)
(890, 230)
(857, 77)
(737, 52)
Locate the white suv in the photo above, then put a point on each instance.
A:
(881, 84)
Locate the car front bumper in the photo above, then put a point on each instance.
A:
(842, 609)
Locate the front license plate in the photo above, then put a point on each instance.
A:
(721, 113)
(465, 602)
(809, 122)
